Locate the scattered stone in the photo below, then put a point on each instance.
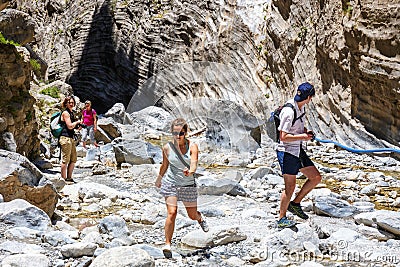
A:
(333, 207)
(26, 259)
(20, 213)
(217, 236)
(123, 256)
(78, 249)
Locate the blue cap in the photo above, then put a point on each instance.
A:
(303, 91)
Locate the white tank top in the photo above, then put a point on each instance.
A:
(174, 174)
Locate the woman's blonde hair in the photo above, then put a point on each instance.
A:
(179, 122)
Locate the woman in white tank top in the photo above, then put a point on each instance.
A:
(177, 181)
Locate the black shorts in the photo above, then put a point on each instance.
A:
(291, 164)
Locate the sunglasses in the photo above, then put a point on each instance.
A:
(178, 133)
(71, 102)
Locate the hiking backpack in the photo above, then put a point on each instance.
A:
(274, 121)
(55, 125)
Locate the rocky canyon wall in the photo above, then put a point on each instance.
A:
(18, 126)
(351, 51)
(107, 50)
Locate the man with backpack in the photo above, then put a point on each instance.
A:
(291, 156)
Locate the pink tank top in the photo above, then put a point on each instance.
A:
(88, 117)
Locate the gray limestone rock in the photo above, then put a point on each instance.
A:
(218, 235)
(333, 207)
(26, 259)
(211, 186)
(114, 226)
(78, 249)
(15, 247)
(110, 127)
(57, 238)
(370, 218)
(20, 213)
(22, 233)
(153, 118)
(135, 151)
(118, 114)
(123, 256)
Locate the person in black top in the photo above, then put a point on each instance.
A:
(67, 142)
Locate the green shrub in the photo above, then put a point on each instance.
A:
(3, 40)
(28, 116)
(52, 91)
(347, 8)
(35, 65)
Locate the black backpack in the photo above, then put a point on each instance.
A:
(274, 121)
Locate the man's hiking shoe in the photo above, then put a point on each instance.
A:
(285, 223)
(203, 224)
(296, 210)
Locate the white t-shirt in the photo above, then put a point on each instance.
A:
(287, 117)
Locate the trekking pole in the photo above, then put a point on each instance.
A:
(375, 150)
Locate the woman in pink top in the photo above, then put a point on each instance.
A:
(89, 119)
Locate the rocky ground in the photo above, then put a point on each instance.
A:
(114, 216)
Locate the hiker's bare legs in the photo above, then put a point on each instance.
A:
(290, 185)
(313, 178)
(172, 210)
(64, 170)
(71, 167)
(191, 209)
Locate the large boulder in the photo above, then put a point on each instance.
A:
(218, 187)
(20, 213)
(152, 118)
(228, 125)
(107, 130)
(118, 114)
(123, 256)
(32, 260)
(333, 207)
(136, 152)
(385, 219)
(20, 179)
(217, 236)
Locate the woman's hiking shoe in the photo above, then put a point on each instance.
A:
(203, 224)
(166, 249)
(285, 222)
(295, 208)
(69, 181)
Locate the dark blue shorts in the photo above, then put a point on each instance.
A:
(291, 164)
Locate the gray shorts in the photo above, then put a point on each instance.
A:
(89, 130)
(183, 193)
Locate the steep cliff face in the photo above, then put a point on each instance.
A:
(349, 49)
(18, 126)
